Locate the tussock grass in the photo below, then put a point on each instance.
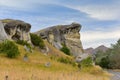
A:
(34, 68)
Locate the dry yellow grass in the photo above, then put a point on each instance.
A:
(34, 69)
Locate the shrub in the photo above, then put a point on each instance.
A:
(10, 49)
(104, 62)
(86, 62)
(42, 45)
(0, 47)
(65, 50)
(52, 57)
(22, 42)
(66, 61)
(37, 41)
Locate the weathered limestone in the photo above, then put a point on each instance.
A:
(64, 34)
(3, 35)
(17, 30)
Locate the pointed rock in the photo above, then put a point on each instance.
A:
(3, 35)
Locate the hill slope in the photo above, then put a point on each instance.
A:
(35, 69)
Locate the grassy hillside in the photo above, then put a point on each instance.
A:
(35, 69)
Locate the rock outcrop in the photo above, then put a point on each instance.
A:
(17, 30)
(64, 34)
(3, 35)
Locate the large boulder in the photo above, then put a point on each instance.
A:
(17, 30)
(3, 35)
(64, 34)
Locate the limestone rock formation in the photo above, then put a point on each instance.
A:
(64, 34)
(17, 30)
(3, 35)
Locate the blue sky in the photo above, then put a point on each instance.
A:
(100, 19)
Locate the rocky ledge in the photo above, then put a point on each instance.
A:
(14, 30)
(64, 34)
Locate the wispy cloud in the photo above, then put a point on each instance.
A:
(100, 12)
(103, 37)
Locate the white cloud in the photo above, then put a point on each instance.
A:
(100, 12)
(96, 38)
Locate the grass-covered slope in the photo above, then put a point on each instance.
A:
(35, 69)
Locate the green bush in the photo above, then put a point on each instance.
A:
(66, 61)
(0, 47)
(10, 49)
(102, 59)
(37, 41)
(42, 45)
(22, 42)
(65, 50)
(99, 55)
(104, 62)
(86, 62)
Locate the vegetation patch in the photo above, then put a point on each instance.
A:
(109, 59)
(10, 49)
(37, 41)
(67, 61)
(24, 43)
(86, 63)
(65, 49)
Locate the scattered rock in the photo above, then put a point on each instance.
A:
(27, 48)
(81, 57)
(25, 58)
(48, 64)
(45, 50)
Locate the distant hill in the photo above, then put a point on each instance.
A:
(99, 48)
(89, 50)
